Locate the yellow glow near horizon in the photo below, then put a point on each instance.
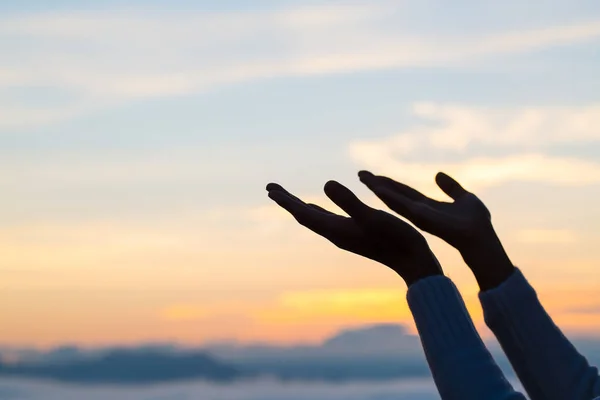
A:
(92, 317)
(125, 283)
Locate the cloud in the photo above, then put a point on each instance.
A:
(421, 389)
(458, 130)
(14, 115)
(377, 355)
(457, 126)
(482, 172)
(112, 57)
(122, 168)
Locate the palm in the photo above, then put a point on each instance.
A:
(462, 218)
(456, 222)
(345, 233)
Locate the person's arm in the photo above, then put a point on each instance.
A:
(461, 365)
(546, 362)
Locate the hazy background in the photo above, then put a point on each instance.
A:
(136, 138)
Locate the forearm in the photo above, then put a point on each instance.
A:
(547, 364)
(461, 365)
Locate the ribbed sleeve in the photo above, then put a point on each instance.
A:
(548, 365)
(461, 365)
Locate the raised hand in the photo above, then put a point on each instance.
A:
(370, 233)
(464, 223)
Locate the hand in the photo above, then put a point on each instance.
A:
(464, 223)
(371, 233)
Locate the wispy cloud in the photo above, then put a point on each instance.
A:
(107, 58)
(524, 134)
(458, 126)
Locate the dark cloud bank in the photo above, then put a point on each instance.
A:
(374, 353)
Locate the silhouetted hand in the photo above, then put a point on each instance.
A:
(464, 223)
(370, 233)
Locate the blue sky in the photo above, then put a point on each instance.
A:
(157, 124)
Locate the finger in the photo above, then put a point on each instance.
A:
(371, 181)
(397, 202)
(274, 186)
(277, 187)
(307, 216)
(287, 201)
(321, 209)
(449, 186)
(347, 201)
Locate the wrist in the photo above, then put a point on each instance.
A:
(424, 271)
(488, 261)
(413, 280)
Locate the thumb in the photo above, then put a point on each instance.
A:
(347, 201)
(450, 186)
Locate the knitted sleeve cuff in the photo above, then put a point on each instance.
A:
(441, 316)
(513, 297)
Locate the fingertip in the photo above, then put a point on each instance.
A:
(440, 176)
(363, 174)
(331, 186)
(367, 178)
(444, 176)
(449, 185)
(274, 186)
(336, 191)
(445, 182)
(345, 199)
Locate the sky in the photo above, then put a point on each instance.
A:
(136, 139)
